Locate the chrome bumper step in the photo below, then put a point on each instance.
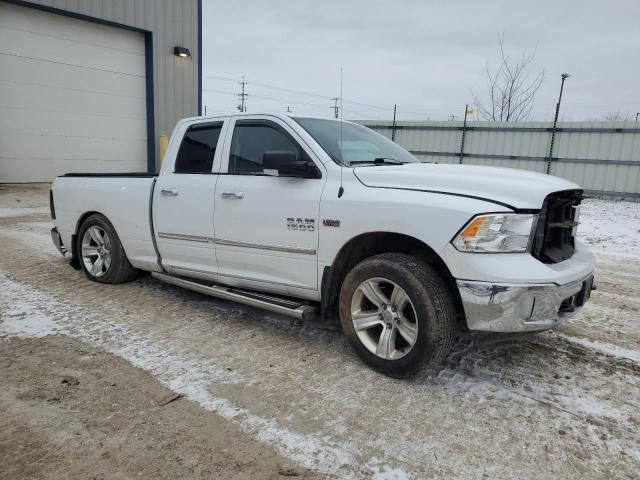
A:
(272, 303)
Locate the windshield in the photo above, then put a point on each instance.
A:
(360, 145)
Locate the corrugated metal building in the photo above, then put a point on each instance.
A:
(90, 85)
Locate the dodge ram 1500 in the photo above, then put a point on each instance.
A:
(308, 216)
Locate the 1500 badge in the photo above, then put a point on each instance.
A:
(301, 224)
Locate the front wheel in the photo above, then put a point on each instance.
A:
(101, 254)
(397, 313)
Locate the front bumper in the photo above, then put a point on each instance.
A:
(503, 307)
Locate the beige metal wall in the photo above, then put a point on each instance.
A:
(72, 96)
(172, 23)
(603, 157)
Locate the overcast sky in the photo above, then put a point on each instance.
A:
(427, 56)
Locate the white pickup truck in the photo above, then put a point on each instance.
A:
(308, 216)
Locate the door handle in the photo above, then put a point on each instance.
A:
(169, 192)
(232, 195)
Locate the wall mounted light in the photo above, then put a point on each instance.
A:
(181, 52)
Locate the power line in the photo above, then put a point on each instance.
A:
(228, 79)
(302, 92)
(388, 109)
(212, 90)
(353, 112)
(273, 87)
(263, 97)
(326, 97)
(290, 90)
(284, 100)
(379, 107)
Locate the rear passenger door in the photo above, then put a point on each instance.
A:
(184, 203)
(267, 226)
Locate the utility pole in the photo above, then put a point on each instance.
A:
(393, 128)
(336, 108)
(242, 97)
(205, 110)
(638, 113)
(452, 118)
(289, 109)
(555, 122)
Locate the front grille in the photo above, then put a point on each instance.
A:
(554, 237)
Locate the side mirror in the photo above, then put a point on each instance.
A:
(284, 164)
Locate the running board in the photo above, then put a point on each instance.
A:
(271, 303)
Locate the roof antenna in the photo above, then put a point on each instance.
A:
(341, 189)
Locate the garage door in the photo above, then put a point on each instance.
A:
(72, 96)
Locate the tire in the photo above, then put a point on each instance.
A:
(98, 243)
(423, 318)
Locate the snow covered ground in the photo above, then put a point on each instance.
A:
(611, 227)
(563, 404)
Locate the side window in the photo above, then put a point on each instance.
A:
(251, 140)
(198, 148)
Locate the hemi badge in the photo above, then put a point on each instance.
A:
(327, 222)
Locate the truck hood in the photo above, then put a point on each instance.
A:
(509, 187)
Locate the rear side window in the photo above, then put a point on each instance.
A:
(251, 139)
(198, 148)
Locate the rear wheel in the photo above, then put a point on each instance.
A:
(101, 254)
(397, 313)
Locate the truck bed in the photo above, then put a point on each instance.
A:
(124, 198)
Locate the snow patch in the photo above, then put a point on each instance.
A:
(486, 385)
(8, 212)
(24, 321)
(601, 347)
(385, 472)
(611, 227)
(32, 234)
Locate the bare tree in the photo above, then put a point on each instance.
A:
(615, 117)
(512, 88)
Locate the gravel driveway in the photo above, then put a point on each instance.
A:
(563, 404)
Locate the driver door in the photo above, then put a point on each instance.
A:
(266, 226)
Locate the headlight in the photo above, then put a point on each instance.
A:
(496, 233)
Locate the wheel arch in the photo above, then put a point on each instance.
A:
(75, 256)
(368, 244)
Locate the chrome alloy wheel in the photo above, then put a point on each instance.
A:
(96, 251)
(384, 318)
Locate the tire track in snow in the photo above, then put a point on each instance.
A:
(602, 347)
(480, 371)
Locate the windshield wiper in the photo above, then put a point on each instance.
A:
(380, 161)
(388, 160)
